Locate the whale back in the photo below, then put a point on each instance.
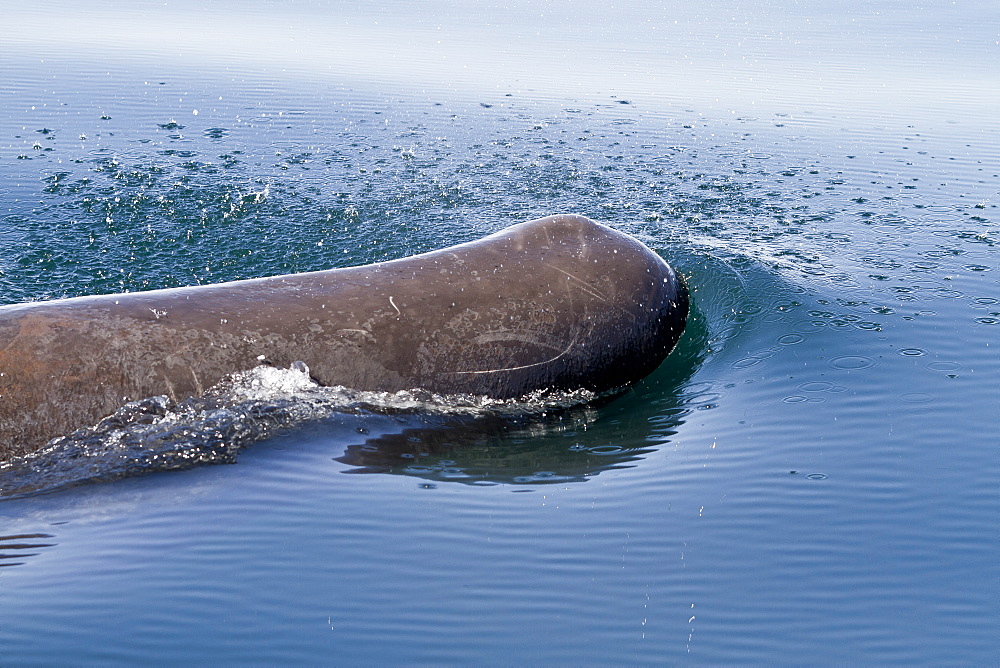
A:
(558, 303)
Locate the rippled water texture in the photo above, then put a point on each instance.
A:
(811, 477)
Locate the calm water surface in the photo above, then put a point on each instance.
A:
(810, 478)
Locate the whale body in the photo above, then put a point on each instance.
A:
(558, 303)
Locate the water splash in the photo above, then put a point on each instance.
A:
(152, 435)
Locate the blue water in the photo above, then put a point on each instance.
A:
(810, 478)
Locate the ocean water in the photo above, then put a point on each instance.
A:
(811, 477)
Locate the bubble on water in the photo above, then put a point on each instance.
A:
(817, 386)
(852, 362)
(791, 339)
(940, 208)
(542, 477)
(925, 266)
(944, 366)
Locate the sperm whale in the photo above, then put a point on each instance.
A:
(561, 303)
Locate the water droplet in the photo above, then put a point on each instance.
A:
(606, 450)
(702, 398)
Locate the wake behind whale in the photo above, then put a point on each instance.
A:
(154, 434)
